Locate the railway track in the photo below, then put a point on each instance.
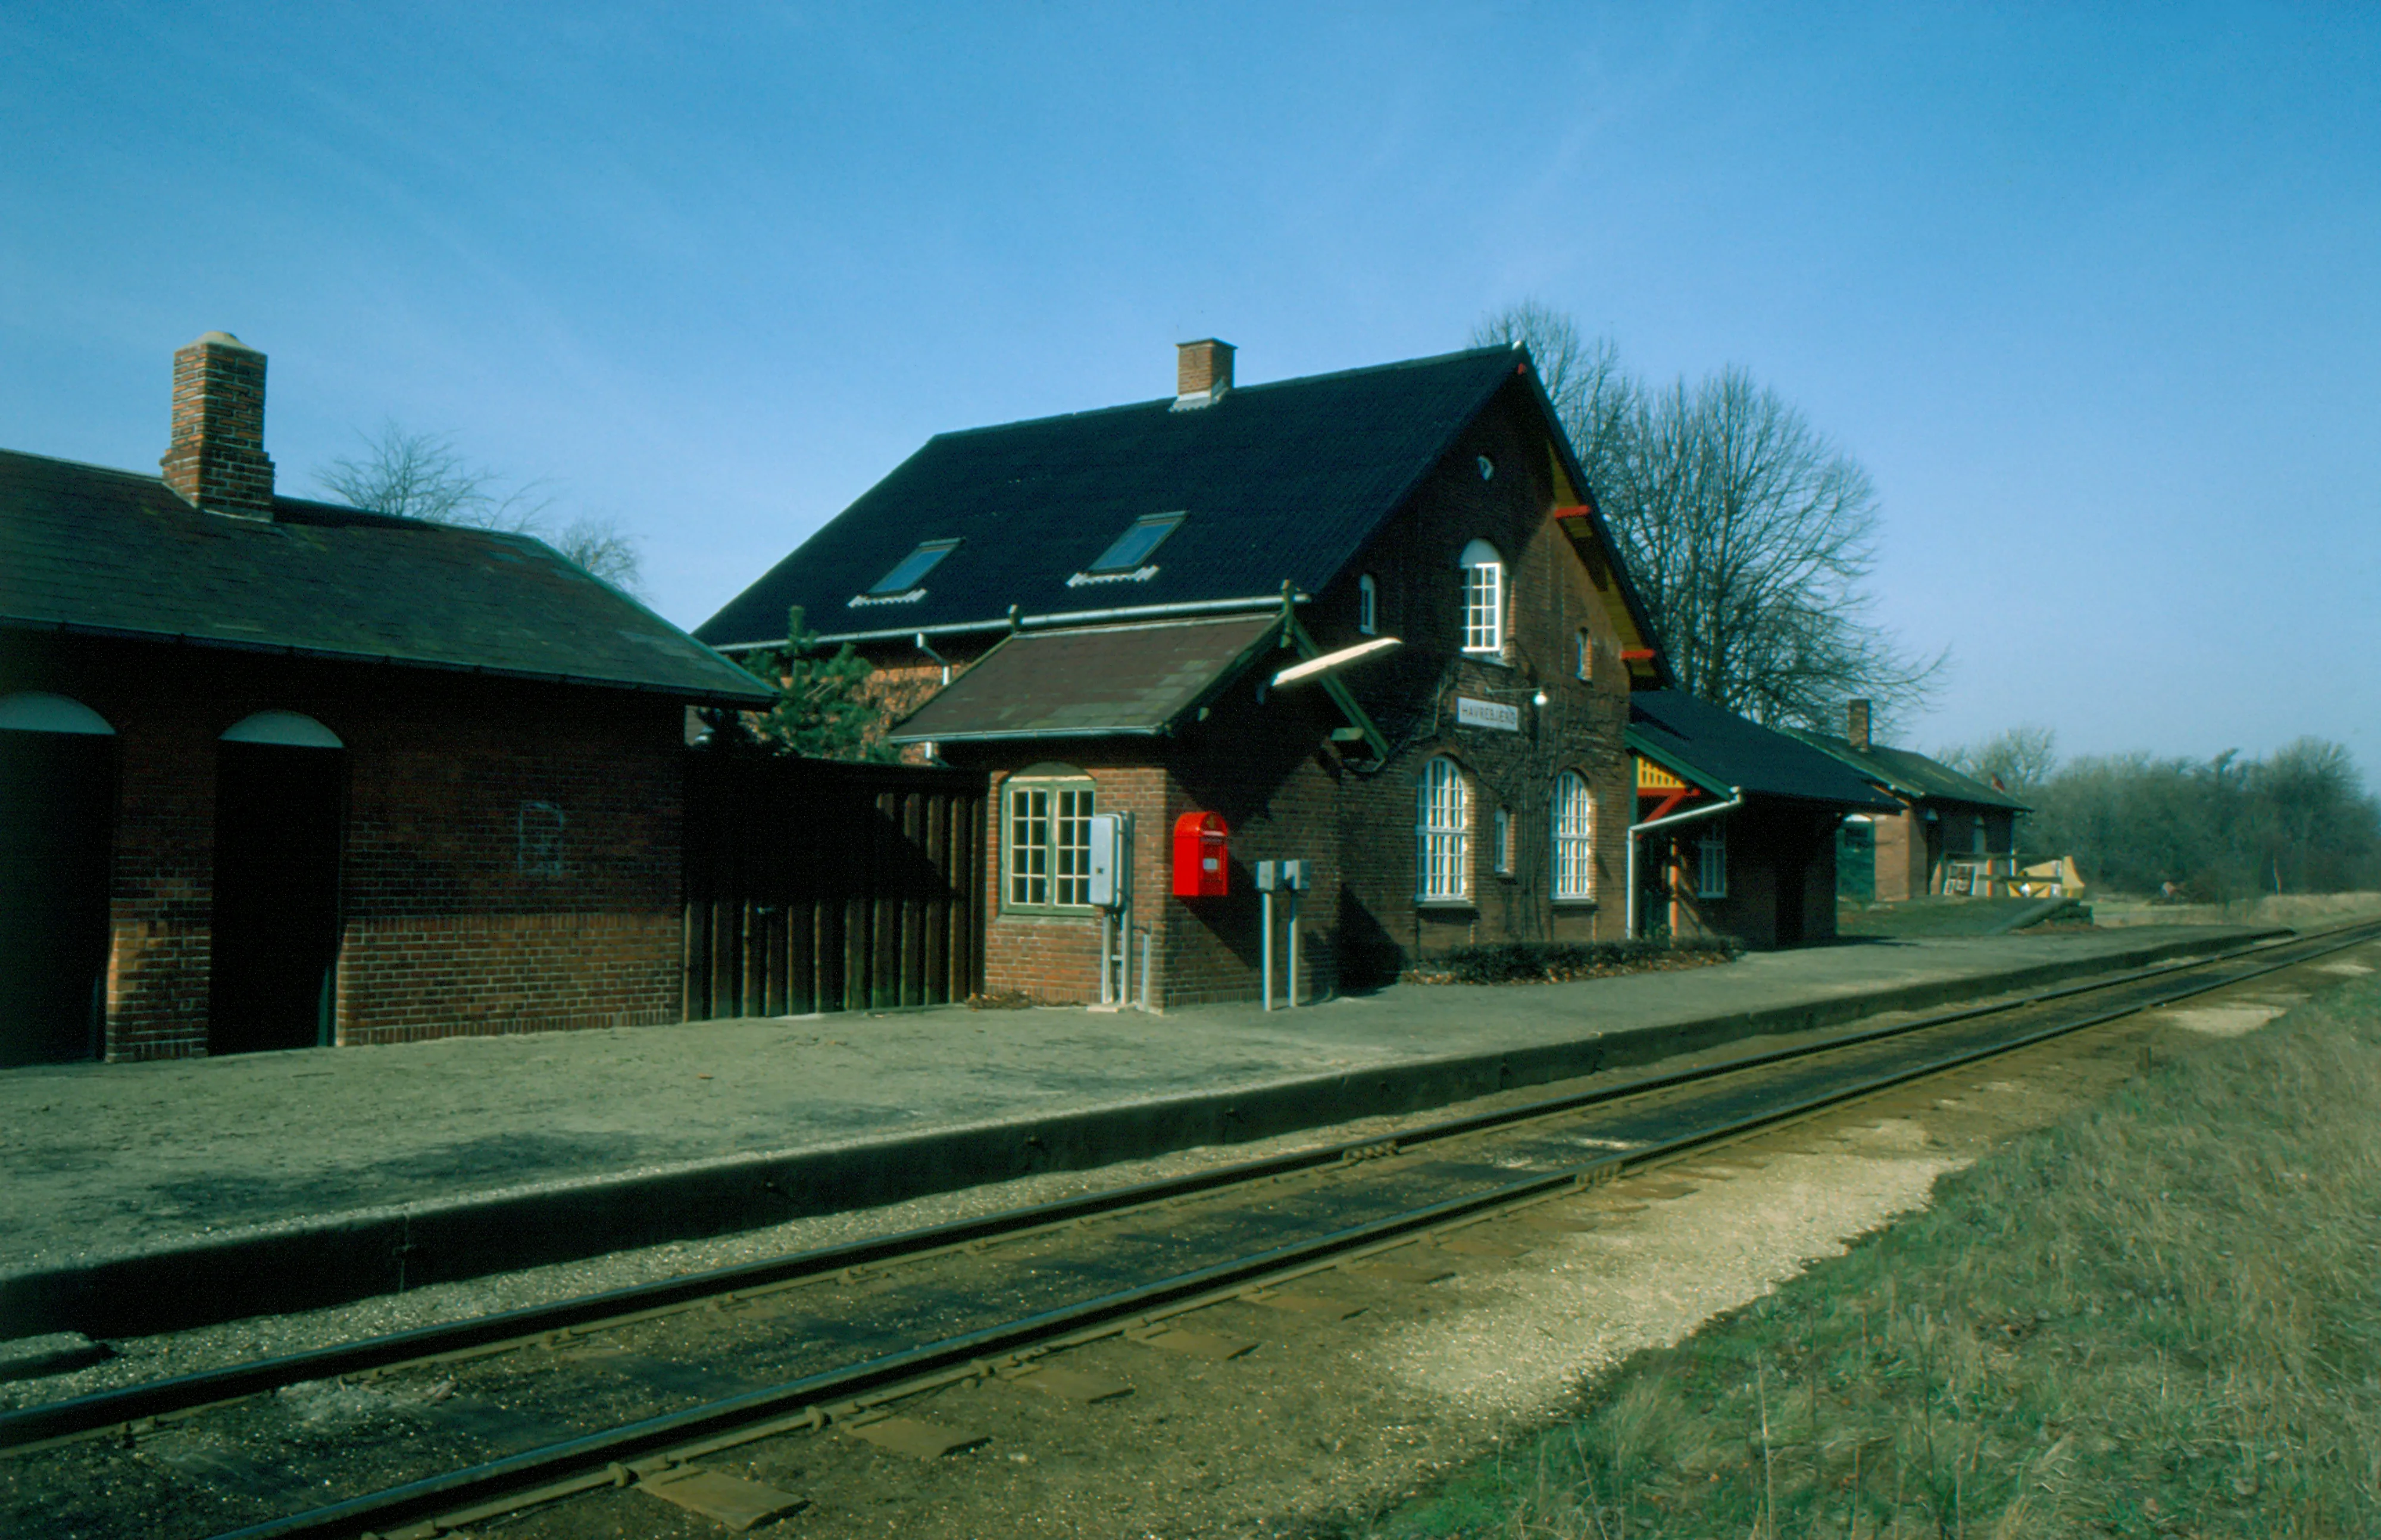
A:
(634, 1385)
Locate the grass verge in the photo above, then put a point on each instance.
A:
(2161, 1317)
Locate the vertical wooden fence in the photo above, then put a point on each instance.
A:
(817, 885)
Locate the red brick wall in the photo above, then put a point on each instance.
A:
(1055, 958)
(1265, 768)
(1412, 695)
(442, 931)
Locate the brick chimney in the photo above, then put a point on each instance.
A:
(1203, 372)
(1856, 724)
(216, 461)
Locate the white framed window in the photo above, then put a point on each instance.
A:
(1047, 842)
(1501, 842)
(1574, 838)
(1442, 829)
(1368, 604)
(1711, 860)
(1484, 598)
(1584, 654)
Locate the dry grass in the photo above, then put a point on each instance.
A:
(2306, 910)
(2161, 1317)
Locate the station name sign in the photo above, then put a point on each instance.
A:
(1469, 713)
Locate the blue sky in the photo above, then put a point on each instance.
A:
(2091, 291)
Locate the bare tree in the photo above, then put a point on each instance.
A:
(2017, 760)
(417, 475)
(1750, 536)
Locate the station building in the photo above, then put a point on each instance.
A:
(275, 773)
(1099, 610)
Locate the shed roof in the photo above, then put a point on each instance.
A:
(1278, 482)
(1137, 680)
(89, 550)
(1721, 751)
(1912, 776)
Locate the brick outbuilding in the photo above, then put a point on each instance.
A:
(1948, 834)
(1736, 832)
(275, 773)
(1454, 768)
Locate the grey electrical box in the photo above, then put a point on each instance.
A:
(1111, 857)
(1268, 876)
(1293, 875)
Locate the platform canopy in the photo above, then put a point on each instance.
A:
(1116, 681)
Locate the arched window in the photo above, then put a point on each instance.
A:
(1442, 825)
(1484, 598)
(1574, 838)
(35, 711)
(287, 728)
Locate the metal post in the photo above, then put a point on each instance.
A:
(1293, 948)
(1144, 970)
(1107, 957)
(1265, 949)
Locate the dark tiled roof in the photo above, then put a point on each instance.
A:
(1717, 749)
(1280, 481)
(87, 549)
(1090, 682)
(1135, 680)
(1911, 774)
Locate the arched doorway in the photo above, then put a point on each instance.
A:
(57, 826)
(280, 804)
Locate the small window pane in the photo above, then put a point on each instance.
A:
(1368, 604)
(1584, 661)
(1072, 847)
(1711, 866)
(1138, 541)
(914, 567)
(1028, 845)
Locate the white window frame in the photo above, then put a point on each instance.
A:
(1711, 860)
(1574, 838)
(1501, 841)
(1368, 604)
(1045, 844)
(1443, 834)
(1484, 600)
(1584, 656)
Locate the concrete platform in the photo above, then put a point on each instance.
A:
(145, 1197)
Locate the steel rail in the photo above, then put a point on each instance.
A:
(113, 1409)
(616, 1456)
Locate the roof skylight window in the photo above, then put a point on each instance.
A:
(911, 568)
(1134, 545)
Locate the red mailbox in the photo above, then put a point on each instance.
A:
(1201, 861)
